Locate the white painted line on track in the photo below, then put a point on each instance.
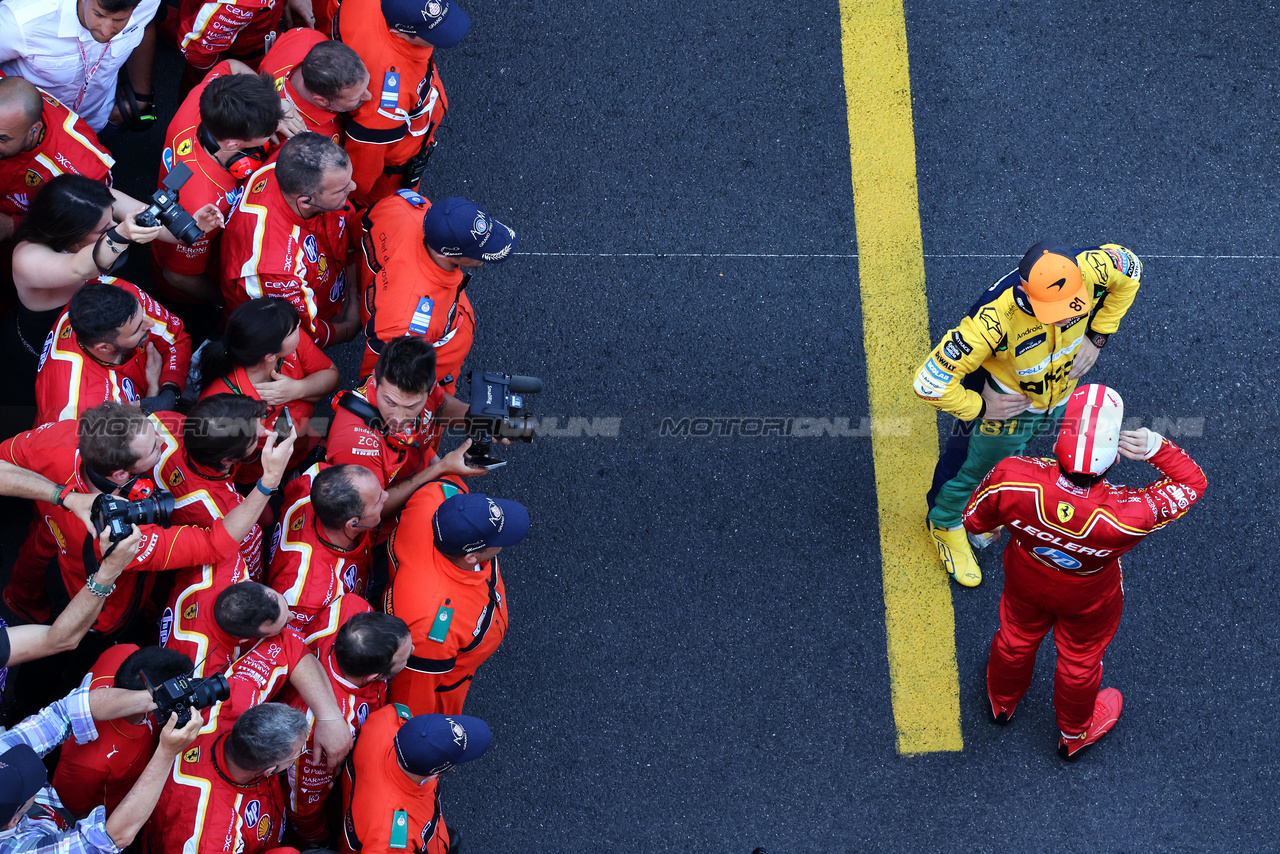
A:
(1144, 255)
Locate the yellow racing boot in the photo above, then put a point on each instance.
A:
(957, 556)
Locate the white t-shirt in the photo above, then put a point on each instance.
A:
(44, 42)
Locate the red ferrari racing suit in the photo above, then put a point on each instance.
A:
(1062, 568)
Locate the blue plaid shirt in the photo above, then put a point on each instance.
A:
(44, 731)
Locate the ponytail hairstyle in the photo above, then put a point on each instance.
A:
(255, 329)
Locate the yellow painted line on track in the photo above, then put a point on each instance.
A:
(919, 620)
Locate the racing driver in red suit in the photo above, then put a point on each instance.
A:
(1069, 527)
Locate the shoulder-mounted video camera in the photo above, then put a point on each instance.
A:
(165, 209)
(497, 412)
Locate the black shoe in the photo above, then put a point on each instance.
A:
(455, 840)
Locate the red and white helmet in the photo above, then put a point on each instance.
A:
(1090, 436)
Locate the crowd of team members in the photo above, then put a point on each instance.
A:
(341, 576)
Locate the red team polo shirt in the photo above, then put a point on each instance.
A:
(309, 782)
(69, 147)
(352, 441)
(52, 450)
(70, 380)
(269, 251)
(302, 363)
(209, 182)
(201, 811)
(238, 28)
(103, 771)
(287, 54)
(405, 292)
(308, 571)
(201, 497)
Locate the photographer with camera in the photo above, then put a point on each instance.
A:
(369, 649)
(114, 342)
(418, 259)
(392, 424)
(31, 807)
(220, 133)
(101, 772)
(225, 792)
(446, 585)
(241, 632)
(300, 198)
(110, 454)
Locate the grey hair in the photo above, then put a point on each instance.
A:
(265, 735)
(303, 161)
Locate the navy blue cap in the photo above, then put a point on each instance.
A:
(22, 774)
(457, 228)
(432, 744)
(440, 23)
(470, 522)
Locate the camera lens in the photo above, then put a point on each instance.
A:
(209, 691)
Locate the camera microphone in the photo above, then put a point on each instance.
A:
(524, 385)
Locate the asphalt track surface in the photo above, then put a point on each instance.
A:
(696, 660)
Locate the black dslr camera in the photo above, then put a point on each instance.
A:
(497, 412)
(120, 514)
(166, 211)
(180, 693)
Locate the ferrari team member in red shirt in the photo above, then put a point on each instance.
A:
(397, 763)
(107, 361)
(266, 355)
(318, 79)
(198, 464)
(392, 424)
(369, 649)
(39, 139)
(1069, 527)
(321, 548)
(224, 793)
(390, 136)
(114, 342)
(446, 585)
(220, 132)
(213, 30)
(294, 235)
(102, 771)
(115, 447)
(418, 259)
(241, 632)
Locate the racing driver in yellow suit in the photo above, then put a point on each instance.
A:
(1009, 367)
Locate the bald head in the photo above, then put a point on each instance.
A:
(20, 109)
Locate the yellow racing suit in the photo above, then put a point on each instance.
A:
(1000, 343)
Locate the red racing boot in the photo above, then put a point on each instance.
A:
(1106, 711)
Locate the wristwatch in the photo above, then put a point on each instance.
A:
(1099, 340)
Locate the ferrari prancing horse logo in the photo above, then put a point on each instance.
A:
(1065, 511)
